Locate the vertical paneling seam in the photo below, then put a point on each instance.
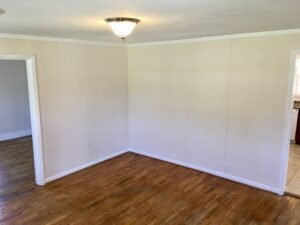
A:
(228, 106)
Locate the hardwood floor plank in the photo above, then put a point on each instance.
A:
(135, 190)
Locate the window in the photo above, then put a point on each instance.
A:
(297, 79)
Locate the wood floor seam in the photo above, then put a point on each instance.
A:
(132, 189)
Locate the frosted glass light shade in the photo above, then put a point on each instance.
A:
(122, 26)
(122, 29)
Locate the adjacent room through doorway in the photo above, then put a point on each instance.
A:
(16, 149)
(293, 177)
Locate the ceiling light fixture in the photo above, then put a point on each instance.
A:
(122, 26)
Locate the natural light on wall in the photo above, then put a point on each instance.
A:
(297, 79)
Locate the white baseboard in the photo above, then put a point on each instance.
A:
(188, 165)
(81, 167)
(16, 134)
(210, 171)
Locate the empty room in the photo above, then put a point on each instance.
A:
(149, 112)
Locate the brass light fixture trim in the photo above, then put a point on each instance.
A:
(122, 19)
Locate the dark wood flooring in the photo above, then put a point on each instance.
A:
(136, 190)
(16, 166)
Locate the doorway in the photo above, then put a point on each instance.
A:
(28, 140)
(293, 175)
(291, 149)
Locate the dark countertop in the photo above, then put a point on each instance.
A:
(296, 104)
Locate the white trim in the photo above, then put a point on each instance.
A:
(210, 171)
(86, 165)
(219, 37)
(206, 38)
(34, 112)
(53, 39)
(16, 56)
(287, 124)
(35, 120)
(188, 165)
(15, 134)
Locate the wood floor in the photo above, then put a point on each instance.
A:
(136, 190)
(293, 179)
(16, 166)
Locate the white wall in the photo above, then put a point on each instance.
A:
(217, 105)
(14, 102)
(208, 103)
(83, 100)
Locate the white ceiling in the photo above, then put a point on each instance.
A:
(160, 19)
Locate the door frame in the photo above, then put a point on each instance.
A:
(34, 112)
(287, 124)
